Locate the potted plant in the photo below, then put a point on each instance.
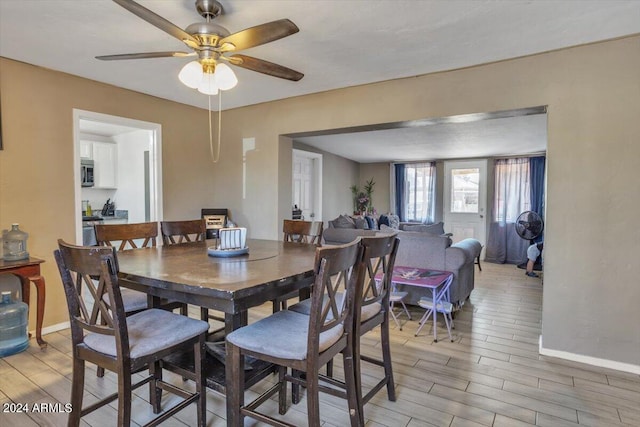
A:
(362, 198)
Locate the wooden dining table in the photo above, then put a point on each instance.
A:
(232, 285)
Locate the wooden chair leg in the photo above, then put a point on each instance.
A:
(354, 395)
(77, 391)
(282, 393)
(201, 387)
(313, 399)
(155, 392)
(386, 359)
(124, 397)
(184, 309)
(235, 386)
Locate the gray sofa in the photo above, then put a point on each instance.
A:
(426, 250)
(338, 234)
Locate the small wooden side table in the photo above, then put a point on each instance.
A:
(28, 271)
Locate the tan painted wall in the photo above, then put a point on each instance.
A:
(380, 174)
(593, 98)
(36, 165)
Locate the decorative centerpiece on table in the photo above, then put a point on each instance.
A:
(231, 242)
(362, 198)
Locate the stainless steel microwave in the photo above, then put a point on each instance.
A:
(86, 172)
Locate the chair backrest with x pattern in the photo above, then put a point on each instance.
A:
(176, 232)
(379, 260)
(95, 268)
(337, 268)
(126, 234)
(302, 231)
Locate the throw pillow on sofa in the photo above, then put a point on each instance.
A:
(394, 221)
(343, 221)
(372, 221)
(361, 224)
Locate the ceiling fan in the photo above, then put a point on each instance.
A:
(214, 45)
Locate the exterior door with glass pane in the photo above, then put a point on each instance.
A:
(465, 199)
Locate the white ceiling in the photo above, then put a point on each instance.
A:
(341, 43)
(519, 135)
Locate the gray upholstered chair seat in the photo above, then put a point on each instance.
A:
(132, 300)
(150, 331)
(287, 327)
(367, 312)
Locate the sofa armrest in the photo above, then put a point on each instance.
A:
(455, 258)
(471, 246)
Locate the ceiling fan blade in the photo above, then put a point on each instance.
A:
(146, 55)
(259, 34)
(158, 21)
(265, 67)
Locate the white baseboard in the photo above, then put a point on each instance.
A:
(594, 361)
(52, 328)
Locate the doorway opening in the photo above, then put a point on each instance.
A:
(307, 184)
(465, 199)
(130, 152)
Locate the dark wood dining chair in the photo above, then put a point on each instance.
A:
(127, 234)
(176, 232)
(307, 232)
(104, 335)
(302, 342)
(187, 231)
(303, 231)
(134, 236)
(379, 259)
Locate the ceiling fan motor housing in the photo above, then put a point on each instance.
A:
(208, 9)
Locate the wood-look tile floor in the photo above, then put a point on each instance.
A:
(491, 375)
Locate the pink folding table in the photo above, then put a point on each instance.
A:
(436, 280)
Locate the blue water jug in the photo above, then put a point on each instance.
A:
(14, 321)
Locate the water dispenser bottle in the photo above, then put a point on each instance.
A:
(14, 244)
(14, 321)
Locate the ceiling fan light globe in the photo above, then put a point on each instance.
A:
(208, 85)
(191, 74)
(225, 77)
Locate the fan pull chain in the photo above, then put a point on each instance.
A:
(215, 157)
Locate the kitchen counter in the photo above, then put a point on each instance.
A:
(88, 232)
(121, 216)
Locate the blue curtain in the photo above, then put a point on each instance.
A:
(536, 173)
(399, 172)
(536, 170)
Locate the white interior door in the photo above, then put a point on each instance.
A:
(465, 199)
(307, 184)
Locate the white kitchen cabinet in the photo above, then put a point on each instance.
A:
(105, 157)
(86, 149)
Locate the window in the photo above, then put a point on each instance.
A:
(419, 192)
(465, 190)
(512, 189)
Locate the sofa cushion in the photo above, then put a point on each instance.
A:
(361, 223)
(394, 221)
(372, 221)
(437, 228)
(344, 221)
(339, 236)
